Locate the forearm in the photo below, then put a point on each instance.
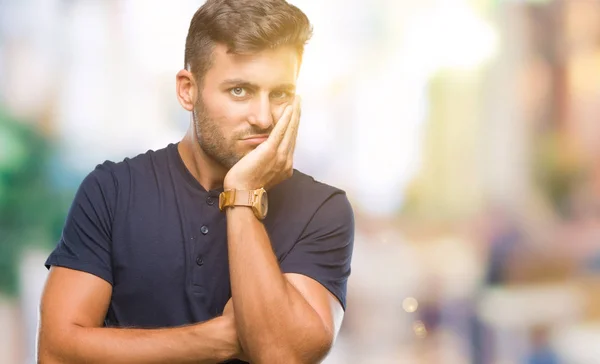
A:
(209, 342)
(273, 320)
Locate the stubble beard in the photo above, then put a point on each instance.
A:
(211, 140)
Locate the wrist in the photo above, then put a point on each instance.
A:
(255, 200)
(238, 186)
(239, 211)
(233, 183)
(217, 340)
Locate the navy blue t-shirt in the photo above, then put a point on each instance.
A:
(146, 226)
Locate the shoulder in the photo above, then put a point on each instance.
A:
(110, 180)
(303, 184)
(305, 196)
(138, 163)
(120, 171)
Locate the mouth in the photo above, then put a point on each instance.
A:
(256, 139)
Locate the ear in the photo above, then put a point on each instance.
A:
(186, 89)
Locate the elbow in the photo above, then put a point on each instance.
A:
(45, 355)
(46, 359)
(319, 348)
(42, 349)
(50, 347)
(307, 348)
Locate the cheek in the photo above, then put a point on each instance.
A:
(225, 113)
(278, 111)
(228, 110)
(235, 112)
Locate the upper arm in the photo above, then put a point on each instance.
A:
(71, 298)
(79, 285)
(325, 304)
(318, 265)
(324, 250)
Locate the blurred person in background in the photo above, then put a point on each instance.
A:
(542, 351)
(176, 255)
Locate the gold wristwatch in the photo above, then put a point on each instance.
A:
(256, 199)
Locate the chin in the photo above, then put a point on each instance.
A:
(232, 161)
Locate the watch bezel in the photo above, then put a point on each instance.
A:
(259, 195)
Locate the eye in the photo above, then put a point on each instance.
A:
(280, 95)
(238, 91)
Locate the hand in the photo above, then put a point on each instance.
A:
(272, 161)
(229, 314)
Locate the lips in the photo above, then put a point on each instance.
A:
(256, 139)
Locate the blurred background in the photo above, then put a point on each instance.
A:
(466, 133)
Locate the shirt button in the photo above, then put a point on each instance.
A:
(210, 200)
(199, 260)
(204, 230)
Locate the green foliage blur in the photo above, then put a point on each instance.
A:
(31, 213)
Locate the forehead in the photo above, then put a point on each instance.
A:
(266, 68)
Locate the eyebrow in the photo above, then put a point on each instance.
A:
(243, 83)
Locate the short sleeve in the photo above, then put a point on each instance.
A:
(85, 243)
(324, 250)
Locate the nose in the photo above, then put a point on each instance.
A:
(261, 114)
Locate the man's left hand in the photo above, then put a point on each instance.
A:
(272, 161)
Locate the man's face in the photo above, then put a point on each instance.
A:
(241, 97)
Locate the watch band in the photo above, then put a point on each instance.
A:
(236, 198)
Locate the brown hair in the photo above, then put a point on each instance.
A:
(244, 26)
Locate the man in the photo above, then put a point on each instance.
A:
(168, 257)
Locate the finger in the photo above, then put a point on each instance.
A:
(288, 142)
(279, 130)
(295, 138)
(292, 148)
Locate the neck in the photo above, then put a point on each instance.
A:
(206, 170)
